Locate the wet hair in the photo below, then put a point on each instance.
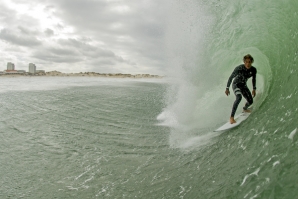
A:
(248, 56)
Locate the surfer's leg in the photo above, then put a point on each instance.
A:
(235, 105)
(238, 95)
(247, 95)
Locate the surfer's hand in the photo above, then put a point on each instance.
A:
(227, 92)
(253, 92)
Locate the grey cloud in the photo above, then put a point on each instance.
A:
(12, 19)
(103, 62)
(87, 49)
(23, 30)
(121, 60)
(49, 7)
(62, 51)
(55, 58)
(14, 49)
(75, 43)
(86, 39)
(49, 32)
(74, 50)
(26, 31)
(15, 29)
(59, 26)
(7, 15)
(99, 53)
(109, 65)
(141, 22)
(58, 54)
(18, 39)
(137, 33)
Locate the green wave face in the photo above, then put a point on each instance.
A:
(207, 40)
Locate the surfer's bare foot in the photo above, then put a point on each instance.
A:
(246, 111)
(232, 120)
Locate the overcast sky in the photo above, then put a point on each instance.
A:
(117, 36)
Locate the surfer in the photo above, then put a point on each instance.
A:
(240, 75)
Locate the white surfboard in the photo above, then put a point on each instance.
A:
(239, 118)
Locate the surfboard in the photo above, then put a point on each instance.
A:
(239, 118)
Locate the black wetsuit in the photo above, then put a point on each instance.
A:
(240, 75)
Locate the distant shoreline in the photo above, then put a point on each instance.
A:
(81, 74)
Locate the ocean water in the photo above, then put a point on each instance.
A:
(80, 137)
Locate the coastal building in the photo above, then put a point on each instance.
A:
(40, 71)
(32, 68)
(14, 72)
(11, 69)
(10, 66)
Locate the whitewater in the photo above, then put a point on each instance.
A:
(82, 137)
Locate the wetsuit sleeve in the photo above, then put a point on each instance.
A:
(235, 72)
(254, 80)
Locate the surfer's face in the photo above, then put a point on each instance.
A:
(247, 63)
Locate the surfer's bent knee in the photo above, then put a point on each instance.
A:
(249, 98)
(238, 97)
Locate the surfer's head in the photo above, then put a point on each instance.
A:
(248, 60)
